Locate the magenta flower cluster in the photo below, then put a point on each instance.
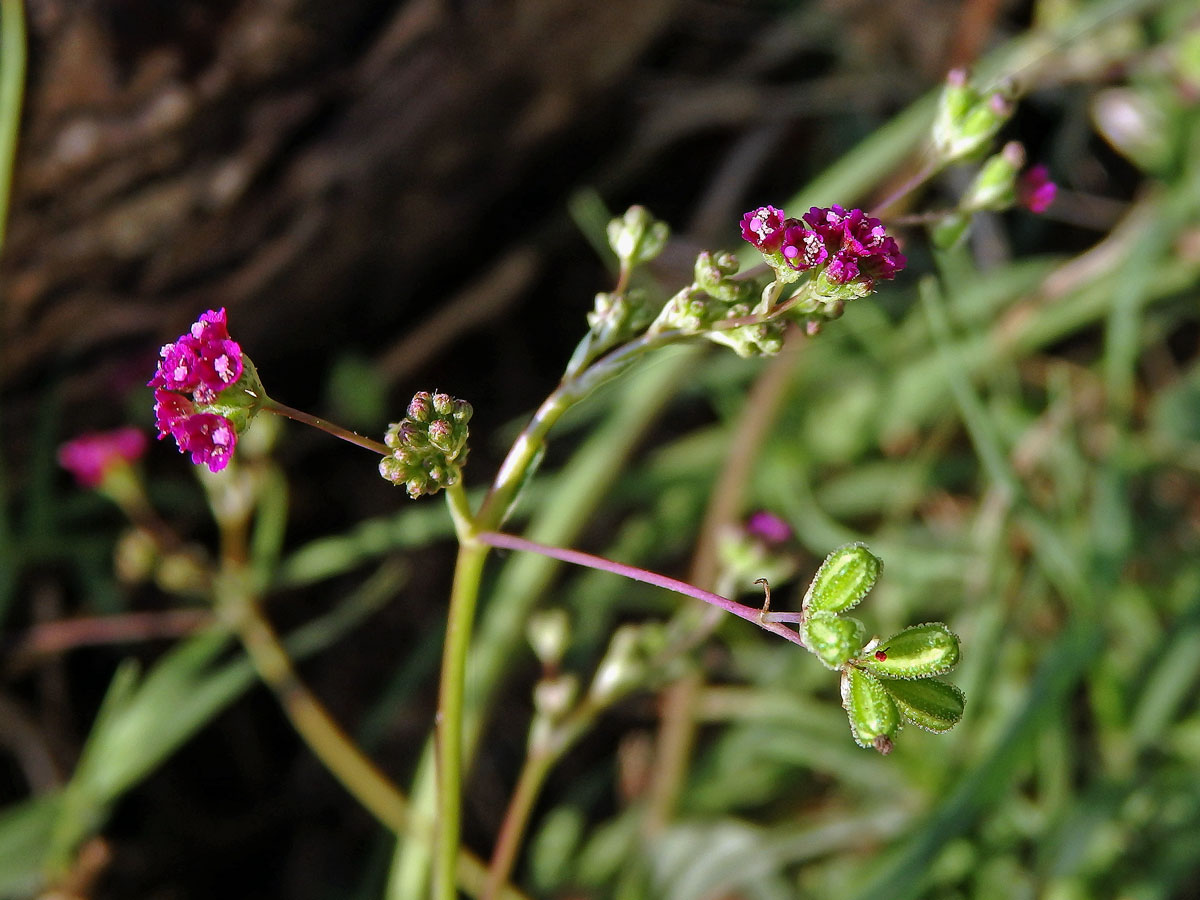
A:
(851, 245)
(90, 457)
(193, 370)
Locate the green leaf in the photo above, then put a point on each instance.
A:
(26, 829)
(834, 640)
(929, 704)
(843, 579)
(874, 717)
(916, 652)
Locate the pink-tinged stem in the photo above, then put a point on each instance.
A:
(926, 172)
(337, 431)
(578, 558)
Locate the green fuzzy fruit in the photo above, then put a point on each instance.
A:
(874, 716)
(843, 579)
(916, 652)
(834, 640)
(929, 704)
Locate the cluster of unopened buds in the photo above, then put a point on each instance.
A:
(429, 445)
(205, 391)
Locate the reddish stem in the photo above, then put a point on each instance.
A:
(337, 431)
(576, 557)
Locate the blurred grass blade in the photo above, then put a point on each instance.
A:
(12, 90)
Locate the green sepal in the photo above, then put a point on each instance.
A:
(929, 704)
(919, 651)
(241, 401)
(833, 640)
(843, 579)
(874, 716)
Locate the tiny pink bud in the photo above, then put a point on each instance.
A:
(770, 527)
(1035, 190)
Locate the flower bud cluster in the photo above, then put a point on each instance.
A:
(967, 119)
(206, 391)
(618, 315)
(429, 445)
(715, 296)
(1000, 184)
(637, 237)
(884, 683)
(997, 186)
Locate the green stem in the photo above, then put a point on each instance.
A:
(460, 512)
(467, 573)
(12, 88)
(331, 745)
(319, 731)
(516, 819)
(538, 764)
(513, 472)
(274, 406)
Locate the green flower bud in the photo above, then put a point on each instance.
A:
(764, 339)
(443, 404)
(549, 634)
(552, 697)
(135, 556)
(420, 407)
(833, 640)
(874, 717)
(616, 317)
(845, 577)
(919, 651)
(995, 185)
(622, 667)
(713, 273)
(637, 237)
(967, 119)
(929, 704)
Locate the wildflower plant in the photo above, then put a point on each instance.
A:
(207, 393)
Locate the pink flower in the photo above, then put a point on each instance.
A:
(859, 245)
(200, 364)
(763, 227)
(802, 248)
(1035, 190)
(208, 437)
(204, 360)
(90, 457)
